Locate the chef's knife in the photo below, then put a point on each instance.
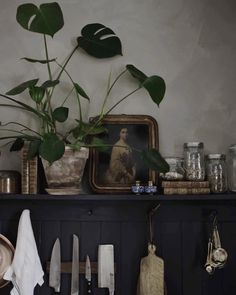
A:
(106, 268)
(55, 267)
(88, 275)
(75, 267)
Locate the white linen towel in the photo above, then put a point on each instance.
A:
(26, 270)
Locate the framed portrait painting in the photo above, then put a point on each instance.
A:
(115, 170)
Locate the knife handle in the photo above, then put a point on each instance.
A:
(101, 291)
(89, 288)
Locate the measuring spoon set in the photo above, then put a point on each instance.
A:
(216, 255)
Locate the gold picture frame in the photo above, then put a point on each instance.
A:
(116, 170)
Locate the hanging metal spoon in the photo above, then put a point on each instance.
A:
(208, 265)
(219, 254)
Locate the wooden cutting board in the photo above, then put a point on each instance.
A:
(151, 277)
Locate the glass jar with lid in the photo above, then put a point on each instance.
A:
(176, 171)
(216, 172)
(194, 161)
(232, 168)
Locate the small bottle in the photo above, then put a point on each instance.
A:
(216, 172)
(150, 188)
(194, 161)
(137, 188)
(232, 168)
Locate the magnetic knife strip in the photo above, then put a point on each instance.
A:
(66, 267)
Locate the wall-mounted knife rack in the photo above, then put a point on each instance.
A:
(66, 267)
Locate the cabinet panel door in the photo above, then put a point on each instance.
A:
(172, 255)
(133, 247)
(193, 256)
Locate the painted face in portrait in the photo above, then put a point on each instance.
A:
(124, 134)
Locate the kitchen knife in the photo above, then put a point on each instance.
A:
(55, 267)
(88, 275)
(75, 267)
(106, 268)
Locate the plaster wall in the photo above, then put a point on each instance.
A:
(191, 44)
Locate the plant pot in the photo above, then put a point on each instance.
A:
(64, 175)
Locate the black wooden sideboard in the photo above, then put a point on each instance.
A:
(181, 230)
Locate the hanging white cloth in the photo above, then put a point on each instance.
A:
(26, 270)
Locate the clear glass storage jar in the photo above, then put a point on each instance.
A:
(176, 171)
(232, 168)
(216, 172)
(194, 161)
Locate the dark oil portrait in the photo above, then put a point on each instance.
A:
(119, 167)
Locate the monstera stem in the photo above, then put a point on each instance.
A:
(68, 95)
(47, 57)
(63, 66)
(66, 62)
(48, 95)
(109, 91)
(22, 125)
(102, 115)
(123, 98)
(77, 95)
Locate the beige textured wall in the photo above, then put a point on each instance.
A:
(192, 44)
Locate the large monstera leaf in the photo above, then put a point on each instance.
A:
(155, 85)
(47, 19)
(99, 41)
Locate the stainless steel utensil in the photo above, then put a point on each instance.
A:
(55, 267)
(88, 276)
(75, 267)
(219, 254)
(216, 256)
(208, 265)
(106, 269)
(10, 181)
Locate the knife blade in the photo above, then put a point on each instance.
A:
(75, 267)
(88, 275)
(55, 267)
(106, 268)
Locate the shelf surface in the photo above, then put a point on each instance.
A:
(120, 197)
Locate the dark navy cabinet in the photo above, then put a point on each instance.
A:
(181, 228)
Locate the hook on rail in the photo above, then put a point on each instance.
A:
(150, 216)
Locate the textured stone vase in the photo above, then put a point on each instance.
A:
(64, 176)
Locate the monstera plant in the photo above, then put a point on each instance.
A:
(96, 40)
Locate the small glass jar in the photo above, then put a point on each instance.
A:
(176, 171)
(216, 172)
(194, 161)
(232, 168)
